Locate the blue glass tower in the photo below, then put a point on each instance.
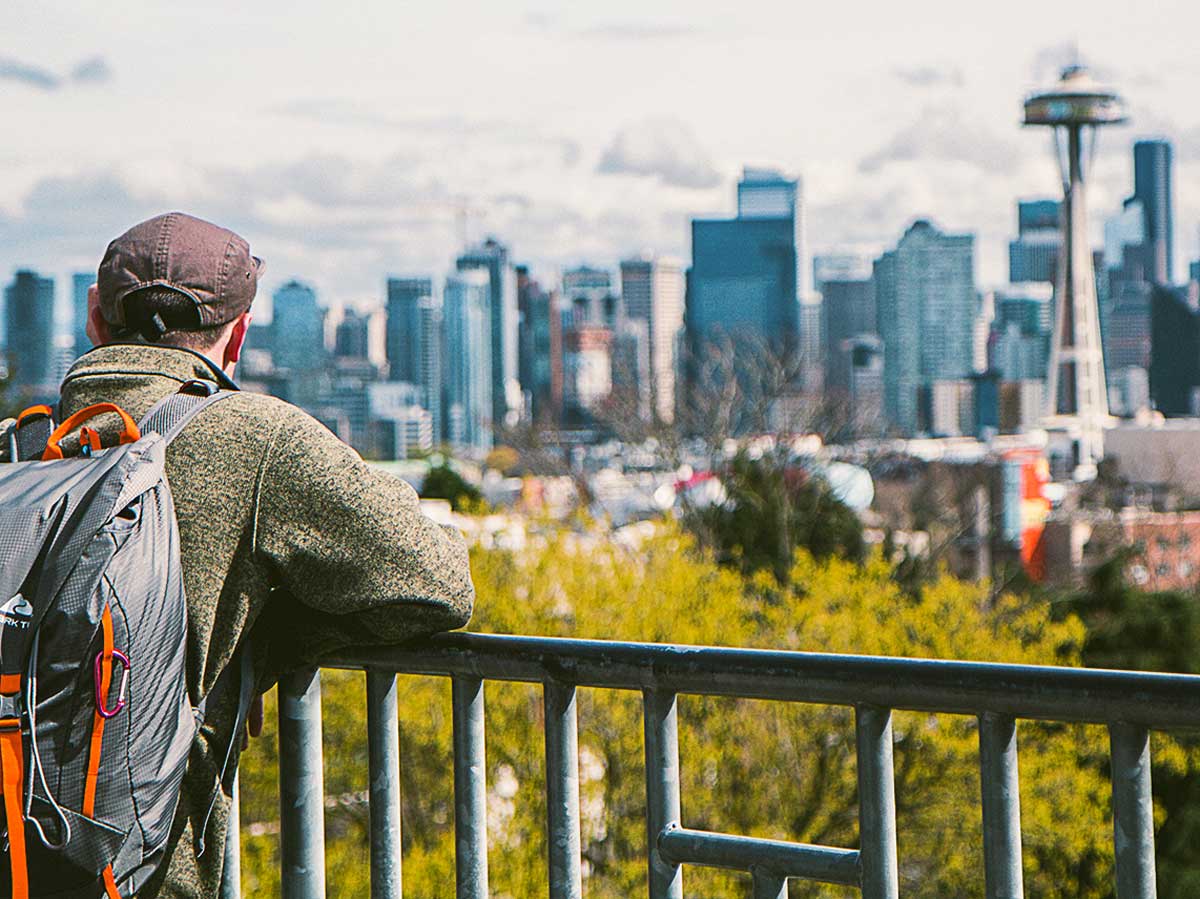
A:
(468, 367)
(79, 311)
(29, 330)
(298, 326)
(926, 303)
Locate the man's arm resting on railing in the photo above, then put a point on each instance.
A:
(355, 557)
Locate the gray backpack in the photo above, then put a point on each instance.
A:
(95, 719)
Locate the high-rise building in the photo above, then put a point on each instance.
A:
(748, 278)
(1021, 330)
(866, 389)
(540, 364)
(849, 313)
(352, 336)
(589, 298)
(1175, 360)
(587, 371)
(80, 282)
(467, 363)
(29, 331)
(402, 335)
(652, 292)
(1152, 187)
(1033, 256)
(742, 283)
(298, 328)
(925, 303)
(493, 257)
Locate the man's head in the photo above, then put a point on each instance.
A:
(176, 280)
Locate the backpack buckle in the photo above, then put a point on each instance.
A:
(101, 708)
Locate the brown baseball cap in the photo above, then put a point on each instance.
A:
(206, 263)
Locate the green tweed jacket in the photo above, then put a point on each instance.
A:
(285, 530)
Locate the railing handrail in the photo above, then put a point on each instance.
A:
(1058, 693)
(1130, 703)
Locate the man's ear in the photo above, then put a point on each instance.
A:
(237, 339)
(97, 328)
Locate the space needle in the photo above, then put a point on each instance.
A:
(1077, 398)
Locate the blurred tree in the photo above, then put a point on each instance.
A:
(771, 509)
(443, 482)
(780, 770)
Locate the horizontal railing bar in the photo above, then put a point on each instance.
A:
(720, 850)
(930, 685)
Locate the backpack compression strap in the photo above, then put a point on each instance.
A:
(12, 780)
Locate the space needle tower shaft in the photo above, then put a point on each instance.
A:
(1076, 396)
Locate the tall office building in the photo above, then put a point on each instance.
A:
(1033, 256)
(589, 298)
(742, 289)
(652, 291)
(467, 363)
(539, 362)
(1021, 331)
(866, 385)
(493, 257)
(1175, 360)
(80, 282)
(1152, 188)
(926, 303)
(849, 313)
(402, 335)
(352, 336)
(430, 382)
(29, 331)
(298, 328)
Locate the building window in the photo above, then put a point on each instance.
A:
(1162, 570)
(1139, 574)
(1185, 569)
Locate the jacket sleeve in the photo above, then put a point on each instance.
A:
(355, 558)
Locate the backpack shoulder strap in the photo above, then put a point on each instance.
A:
(29, 433)
(174, 412)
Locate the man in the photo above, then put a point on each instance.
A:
(282, 527)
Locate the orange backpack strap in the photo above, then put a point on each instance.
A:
(12, 780)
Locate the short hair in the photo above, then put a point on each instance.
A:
(177, 315)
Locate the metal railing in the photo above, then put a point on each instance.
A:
(1129, 703)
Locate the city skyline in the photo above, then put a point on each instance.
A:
(342, 175)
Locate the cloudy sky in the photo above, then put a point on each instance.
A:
(352, 140)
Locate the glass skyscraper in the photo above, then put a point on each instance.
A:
(298, 326)
(79, 311)
(403, 333)
(493, 257)
(468, 366)
(29, 331)
(1152, 187)
(926, 303)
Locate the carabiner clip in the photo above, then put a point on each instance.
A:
(101, 709)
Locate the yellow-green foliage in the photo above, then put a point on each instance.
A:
(784, 771)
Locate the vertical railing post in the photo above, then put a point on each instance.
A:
(769, 886)
(470, 789)
(231, 871)
(1133, 811)
(1000, 784)
(301, 786)
(876, 803)
(562, 790)
(662, 788)
(383, 748)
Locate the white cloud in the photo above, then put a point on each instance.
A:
(664, 148)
